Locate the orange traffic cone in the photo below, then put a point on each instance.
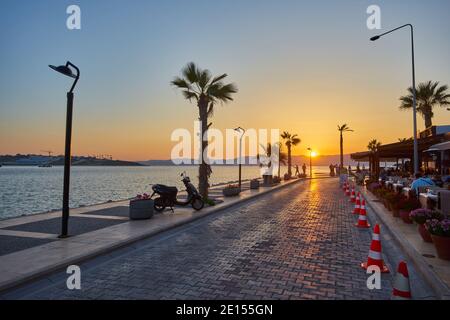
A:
(352, 197)
(362, 207)
(357, 204)
(362, 220)
(374, 258)
(402, 289)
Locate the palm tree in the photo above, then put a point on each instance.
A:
(198, 85)
(404, 139)
(428, 95)
(374, 145)
(342, 129)
(290, 141)
(282, 157)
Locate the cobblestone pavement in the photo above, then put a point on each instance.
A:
(297, 243)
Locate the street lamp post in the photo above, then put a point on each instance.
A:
(65, 70)
(416, 147)
(310, 162)
(242, 130)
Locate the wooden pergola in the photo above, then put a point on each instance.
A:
(395, 151)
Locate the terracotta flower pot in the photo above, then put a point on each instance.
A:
(442, 245)
(426, 236)
(405, 217)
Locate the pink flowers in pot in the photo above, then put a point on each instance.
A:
(420, 216)
(440, 234)
(438, 227)
(144, 196)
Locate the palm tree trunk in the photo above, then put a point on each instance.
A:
(289, 160)
(203, 168)
(428, 121)
(342, 151)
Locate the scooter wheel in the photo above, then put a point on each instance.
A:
(197, 204)
(158, 205)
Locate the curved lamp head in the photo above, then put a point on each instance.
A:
(65, 70)
(374, 38)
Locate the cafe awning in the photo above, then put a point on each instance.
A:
(404, 149)
(439, 147)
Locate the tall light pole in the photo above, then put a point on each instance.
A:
(310, 162)
(65, 70)
(242, 130)
(416, 147)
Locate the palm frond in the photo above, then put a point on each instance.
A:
(190, 95)
(204, 76)
(218, 78)
(190, 72)
(295, 141)
(180, 83)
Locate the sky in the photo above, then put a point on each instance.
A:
(300, 66)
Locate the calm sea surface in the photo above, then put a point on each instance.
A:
(28, 190)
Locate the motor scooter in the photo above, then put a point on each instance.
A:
(168, 196)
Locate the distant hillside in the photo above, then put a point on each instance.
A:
(97, 162)
(36, 160)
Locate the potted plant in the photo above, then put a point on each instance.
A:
(276, 179)
(396, 200)
(420, 216)
(384, 195)
(440, 233)
(231, 190)
(254, 184)
(141, 207)
(406, 207)
(287, 177)
(391, 198)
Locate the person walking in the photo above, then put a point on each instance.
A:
(304, 169)
(297, 173)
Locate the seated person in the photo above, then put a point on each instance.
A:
(421, 182)
(446, 179)
(438, 180)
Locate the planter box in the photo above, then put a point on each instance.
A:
(254, 184)
(405, 216)
(426, 236)
(231, 192)
(141, 209)
(267, 180)
(442, 245)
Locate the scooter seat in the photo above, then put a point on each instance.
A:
(166, 189)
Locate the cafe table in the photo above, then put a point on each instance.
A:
(423, 198)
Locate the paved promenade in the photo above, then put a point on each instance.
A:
(296, 243)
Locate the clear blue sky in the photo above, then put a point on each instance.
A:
(299, 65)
